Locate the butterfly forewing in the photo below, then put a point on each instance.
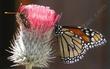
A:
(96, 38)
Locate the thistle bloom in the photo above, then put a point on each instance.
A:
(32, 46)
(39, 16)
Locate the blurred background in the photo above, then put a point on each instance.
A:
(93, 14)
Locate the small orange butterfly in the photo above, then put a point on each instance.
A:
(75, 41)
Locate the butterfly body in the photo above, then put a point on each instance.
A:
(75, 41)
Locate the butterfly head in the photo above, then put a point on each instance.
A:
(58, 30)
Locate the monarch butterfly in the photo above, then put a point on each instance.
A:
(75, 41)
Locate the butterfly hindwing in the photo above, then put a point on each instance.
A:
(71, 46)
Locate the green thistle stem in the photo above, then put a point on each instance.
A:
(29, 66)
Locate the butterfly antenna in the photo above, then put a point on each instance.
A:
(10, 13)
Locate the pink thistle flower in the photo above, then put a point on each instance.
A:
(32, 46)
(39, 16)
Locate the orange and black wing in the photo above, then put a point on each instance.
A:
(95, 38)
(74, 42)
(71, 45)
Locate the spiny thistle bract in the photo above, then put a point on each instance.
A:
(32, 45)
(29, 49)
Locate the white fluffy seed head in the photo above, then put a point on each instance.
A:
(28, 48)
